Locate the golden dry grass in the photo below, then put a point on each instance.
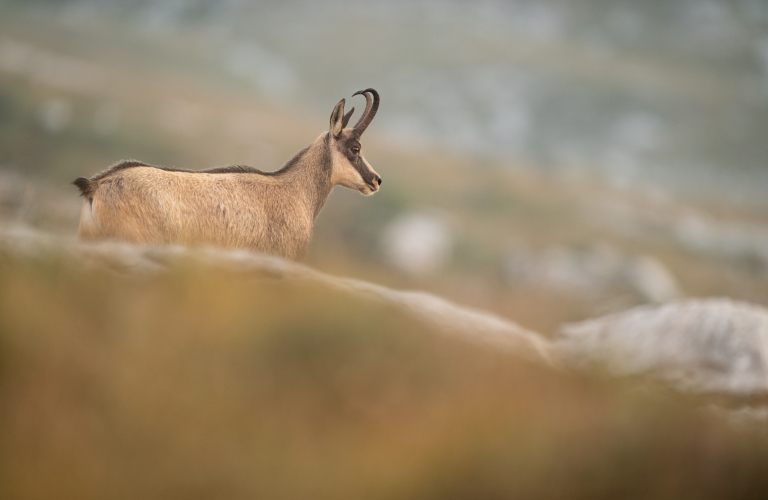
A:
(201, 383)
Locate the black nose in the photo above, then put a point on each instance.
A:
(378, 179)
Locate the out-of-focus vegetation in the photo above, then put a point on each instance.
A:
(548, 161)
(472, 207)
(207, 384)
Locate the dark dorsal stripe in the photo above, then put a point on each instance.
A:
(87, 186)
(230, 169)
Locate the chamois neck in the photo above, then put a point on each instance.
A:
(309, 174)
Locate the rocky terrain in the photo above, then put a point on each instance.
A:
(559, 292)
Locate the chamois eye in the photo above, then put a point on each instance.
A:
(355, 149)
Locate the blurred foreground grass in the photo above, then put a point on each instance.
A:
(201, 383)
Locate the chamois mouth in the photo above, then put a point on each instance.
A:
(369, 188)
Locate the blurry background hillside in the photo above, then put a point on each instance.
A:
(547, 160)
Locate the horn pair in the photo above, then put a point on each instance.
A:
(371, 106)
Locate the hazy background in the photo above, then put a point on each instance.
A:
(548, 160)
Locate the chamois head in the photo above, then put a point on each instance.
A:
(349, 167)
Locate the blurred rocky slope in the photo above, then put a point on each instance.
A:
(705, 346)
(24, 242)
(548, 162)
(714, 346)
(642, 94)
(130, 372)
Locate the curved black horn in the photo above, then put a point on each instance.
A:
(371, 106)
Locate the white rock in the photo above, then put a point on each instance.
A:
(593, 270)
(712, 345)
(418, 243)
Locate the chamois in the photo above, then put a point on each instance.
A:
(236, 206)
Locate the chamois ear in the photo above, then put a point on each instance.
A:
(337, 119)
(347, 117)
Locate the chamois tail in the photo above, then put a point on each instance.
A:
(85, 186)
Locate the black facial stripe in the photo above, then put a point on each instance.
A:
(365, 172)
(345, 147)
